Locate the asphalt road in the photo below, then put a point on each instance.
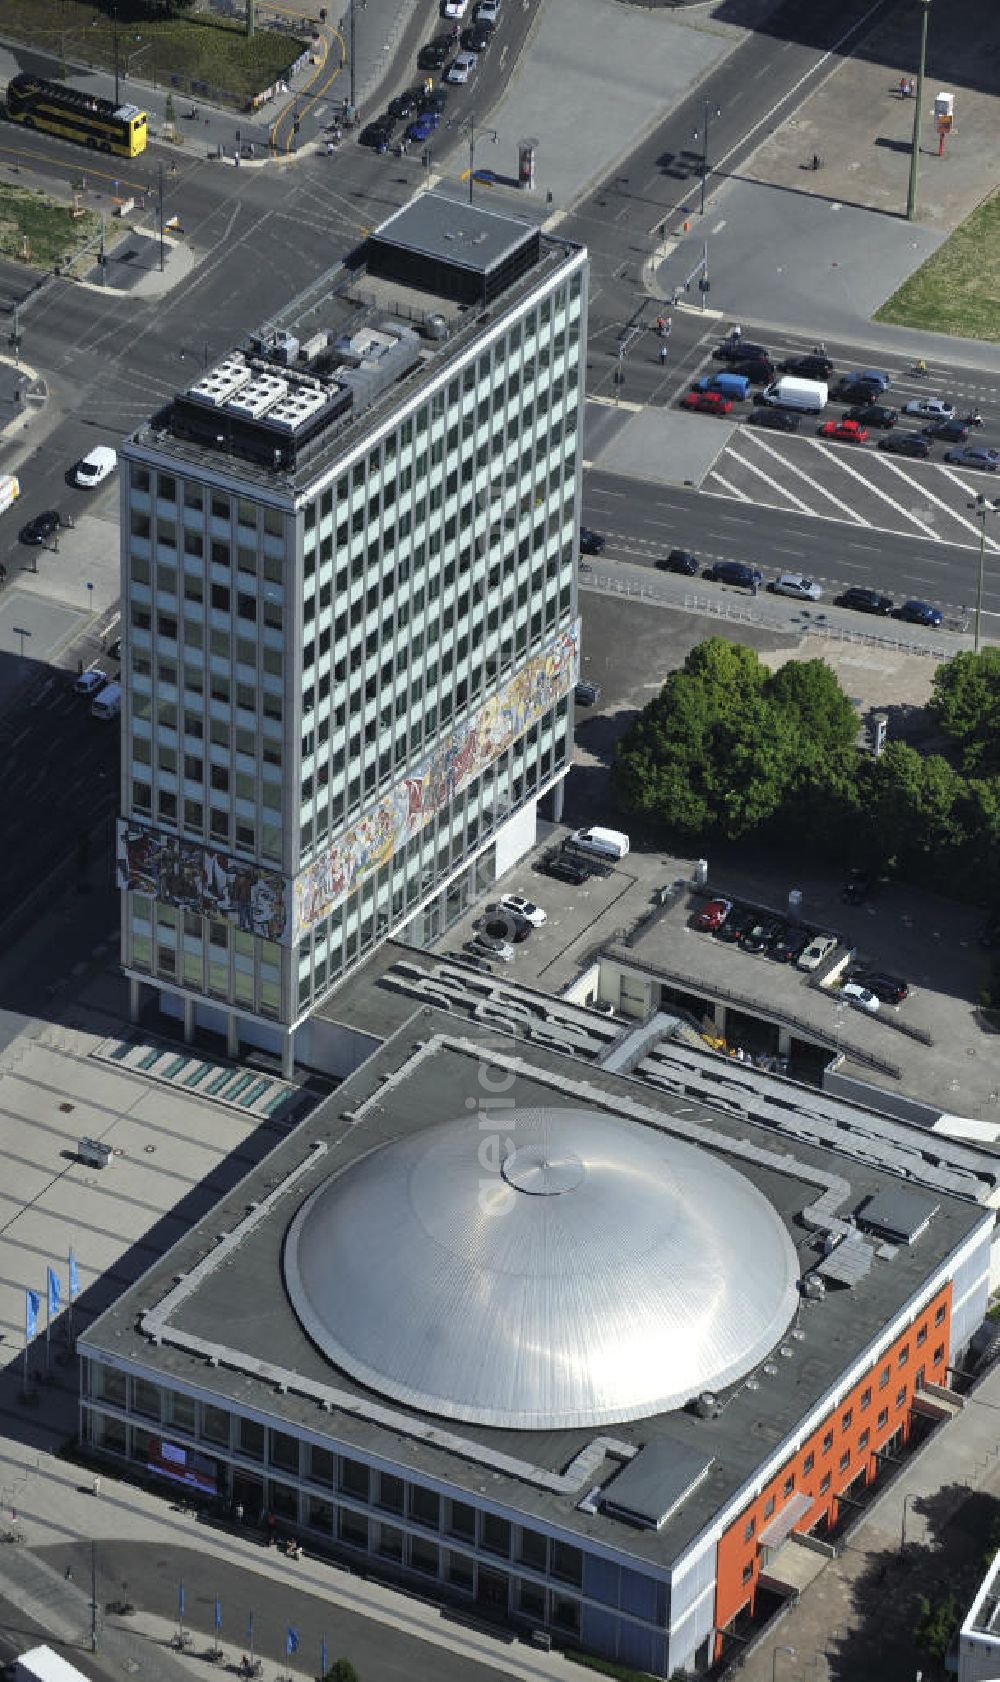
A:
(643, 520)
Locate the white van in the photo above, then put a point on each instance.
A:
(601, 843)
(108, 703)
(10, 490)
(809, 396)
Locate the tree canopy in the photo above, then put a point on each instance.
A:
(730, 749)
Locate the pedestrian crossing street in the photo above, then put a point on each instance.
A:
(861, 487)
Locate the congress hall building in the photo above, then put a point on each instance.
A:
(589, 1352)
(350, 620)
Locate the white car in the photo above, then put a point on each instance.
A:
(797, 584)
(491, 946)
(488, 11)
(932, 408)
(97, 465)
(860, 997)
(461, 68)
(456, 8)
(526, 909)
(817, 951)
(88, 683)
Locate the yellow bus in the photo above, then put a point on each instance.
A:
(83, 117)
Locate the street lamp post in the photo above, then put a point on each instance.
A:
(114, 45)
(709, 114)
(774, 1659)
(470, 129)
(981, 508)
(911, 197)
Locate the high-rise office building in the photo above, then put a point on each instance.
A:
(350, 619)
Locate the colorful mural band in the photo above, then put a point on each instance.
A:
(197, 878)
(260, 901)
(411, 804)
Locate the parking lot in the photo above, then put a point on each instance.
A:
(930, 943)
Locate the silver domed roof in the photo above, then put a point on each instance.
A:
(580, 1270)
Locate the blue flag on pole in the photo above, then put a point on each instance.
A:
(322, 1657)
(74, 1278)
(180, 1600)
(32, 1303)
(55, 1292)
(250, 1630)
(218, 1615)
(292, 1640)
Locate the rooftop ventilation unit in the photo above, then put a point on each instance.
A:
(258, 396)
(298, 405)
(223, 381)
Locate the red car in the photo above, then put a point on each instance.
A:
(713, 915)
(845, 431)
(707, 402)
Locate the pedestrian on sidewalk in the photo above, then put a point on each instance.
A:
(663, 356)
(96, 1487)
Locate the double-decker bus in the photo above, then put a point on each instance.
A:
(73, 115)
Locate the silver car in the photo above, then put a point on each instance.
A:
(798, 585)
(932, 408)
(461, 68)
(488, 11)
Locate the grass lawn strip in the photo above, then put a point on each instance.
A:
(53, 233)
(209, 56)
(957, 290)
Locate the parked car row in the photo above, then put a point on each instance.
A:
(453, 54)
(105, 697)
(756, 931)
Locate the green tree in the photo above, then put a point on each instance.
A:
(965, 703)
(915, 806)
(808, 691)
(341, 1670)
(936, 1625)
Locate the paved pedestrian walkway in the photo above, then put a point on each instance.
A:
(857, 1618)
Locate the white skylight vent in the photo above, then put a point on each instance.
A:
(223, 381)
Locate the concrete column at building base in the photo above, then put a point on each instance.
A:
(188, 1021)
(784, 1042)
(558, 794)
(288, 1056)
(134, 998)
(232, 1035)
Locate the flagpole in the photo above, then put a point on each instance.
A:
(48, 1318)
(26, 1363)
(72, 1282)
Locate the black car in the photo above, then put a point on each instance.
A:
(378, 134)
(755, 369)
(587, 694)
(814, 366)
(762, 935)
(477, 37)
(41, 528)
(857, 887)
(736, 926)
(891, 989)
(405, 105)
(566, 870)
(854, 391)
(790, 944)
(434, 100)
(733, 572)
(592, 542)
(873, 414)
(114, 650)
(741, 350)
(906, 444)
(435, 53)
(678, 560)
(951, 431)
(865, 601)
(776, 420)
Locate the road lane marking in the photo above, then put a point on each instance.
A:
(814, 484)
(731, 489)
(953, 513)
(782, 491)
(884, 495)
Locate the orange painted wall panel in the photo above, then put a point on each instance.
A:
(739, 1557)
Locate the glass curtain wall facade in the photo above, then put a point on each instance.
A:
(290, 661)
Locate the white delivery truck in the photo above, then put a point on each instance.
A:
(109, 702)
(10, 490)
(599, 843)
(809, 396)
(41, 1664)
